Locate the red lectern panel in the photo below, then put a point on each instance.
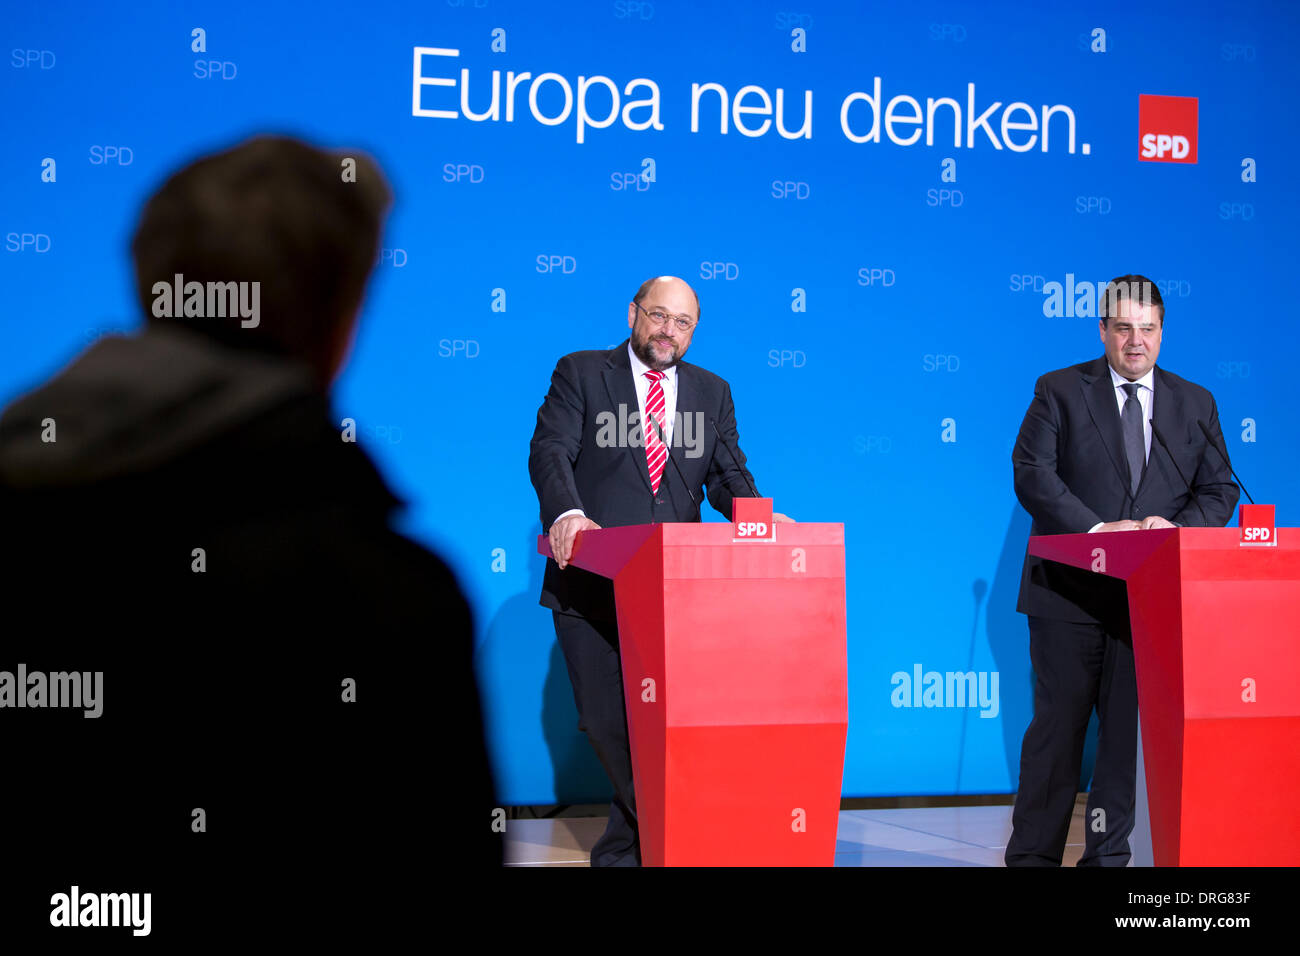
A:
(735, 673)
(1216, 636)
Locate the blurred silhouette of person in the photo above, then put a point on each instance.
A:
(182, 514)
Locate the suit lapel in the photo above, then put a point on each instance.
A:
(1099, 394)
(688, 401)
(622, 391)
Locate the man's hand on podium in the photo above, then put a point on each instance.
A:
(777, 518)
(1126, 525)
(563, 533)
(1155, 521)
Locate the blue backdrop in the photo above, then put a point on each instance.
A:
(876, 280)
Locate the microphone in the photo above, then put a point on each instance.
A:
(1223, 453)
(659, 433)
(734, 459)
(1155, 431)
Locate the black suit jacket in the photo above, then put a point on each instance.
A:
(1071, 472)
(573, 463)
(169, 442)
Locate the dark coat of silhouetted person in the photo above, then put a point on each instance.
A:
(199, 531)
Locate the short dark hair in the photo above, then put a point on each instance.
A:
(642, 292)
(277, 211)
(1135, 288)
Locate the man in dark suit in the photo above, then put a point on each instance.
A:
(594, 465)
(1085, 462)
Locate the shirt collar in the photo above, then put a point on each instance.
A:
(639, 368)
(1148, 380)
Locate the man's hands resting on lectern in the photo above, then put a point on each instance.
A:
(1146, 524)
(564, 531)
(562, 534)
(1155, 521)
(1126, 525)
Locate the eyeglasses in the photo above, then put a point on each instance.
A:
(684, 322)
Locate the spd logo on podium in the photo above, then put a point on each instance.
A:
(751, 519)
(1258, 526)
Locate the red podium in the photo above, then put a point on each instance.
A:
(736, 679)
(1216, 637)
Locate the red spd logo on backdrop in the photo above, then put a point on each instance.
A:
(1167, 128)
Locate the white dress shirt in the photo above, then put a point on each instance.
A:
(1146, 395)
(669, 384)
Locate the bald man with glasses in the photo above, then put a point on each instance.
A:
(624, 437)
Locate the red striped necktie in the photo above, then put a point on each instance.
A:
(656, 455)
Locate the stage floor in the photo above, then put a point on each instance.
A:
(929, 836)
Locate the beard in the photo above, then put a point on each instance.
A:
(641, 345)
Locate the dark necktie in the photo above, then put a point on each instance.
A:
(1135, 440)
